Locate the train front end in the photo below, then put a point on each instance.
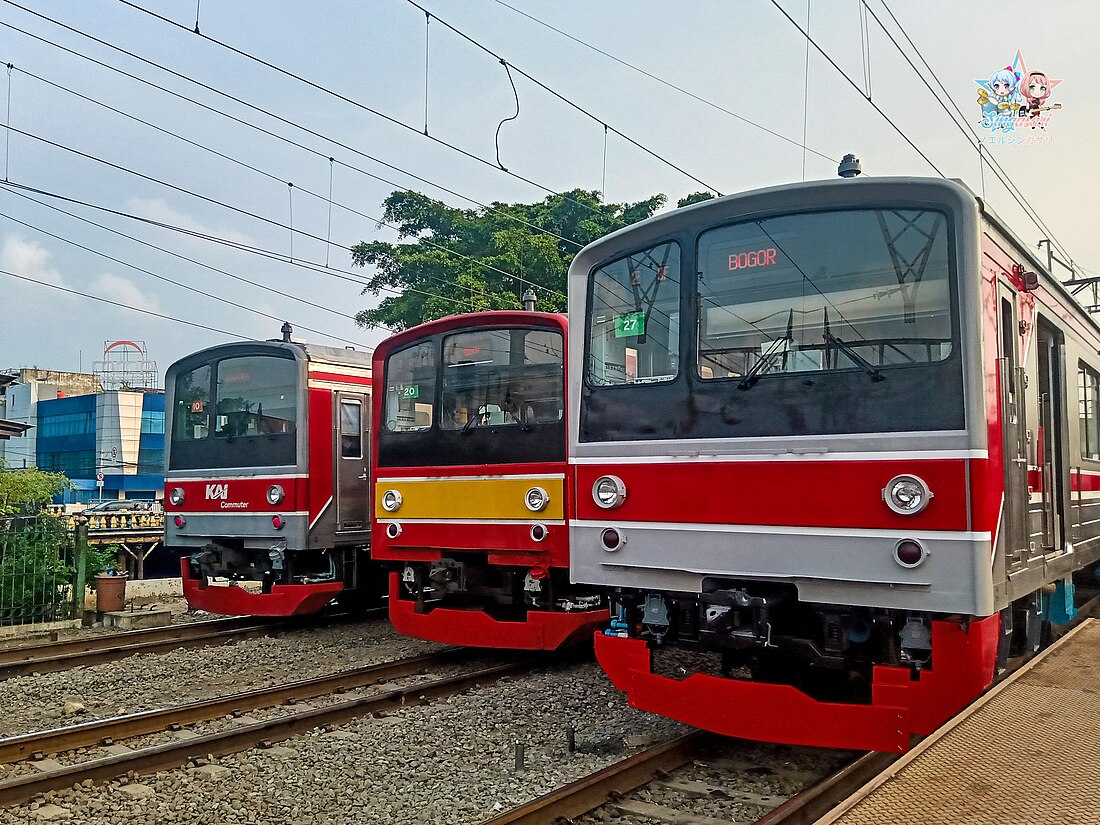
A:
(471, 500)
(777, 425)
(257, 503)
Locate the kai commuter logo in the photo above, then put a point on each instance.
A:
(217, 492)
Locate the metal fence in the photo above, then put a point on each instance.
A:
(42, 565)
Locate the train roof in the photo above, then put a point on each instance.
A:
(822, 193)
(489, 318)
(314, 353)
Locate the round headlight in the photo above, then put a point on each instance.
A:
(906, 495)
(393, 530)
(609, 492)
(275, 494)
(176, 496)
(536, 499)
(391, 501)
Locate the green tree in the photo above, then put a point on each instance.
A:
(694, 197)
(28, 488)
(462, 260)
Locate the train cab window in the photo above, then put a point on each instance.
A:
(498, 377)
(852, 289)
(634, 318)
(191, 420)
(257, 395)
(410, 389)
(351, 429)
(1088, 385)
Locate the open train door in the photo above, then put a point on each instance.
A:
(353, 487)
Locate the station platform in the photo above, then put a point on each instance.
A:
(1028, 751)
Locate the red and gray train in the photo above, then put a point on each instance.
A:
(835, 455)
(267, 486)
(472, 497)
(270, 498)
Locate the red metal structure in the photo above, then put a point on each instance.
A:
(471, 493)
(835, 451)
(267, 491)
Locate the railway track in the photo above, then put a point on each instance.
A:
(26, 660)
(248, 734)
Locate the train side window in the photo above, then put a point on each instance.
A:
(351, 429)
(1008, 346)
(634, 318)
(1088, 385)
(191, 421)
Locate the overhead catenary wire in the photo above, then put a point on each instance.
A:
(962, 122)
(271, 221)
(667, 83)
(312, 84)
(355, 278)
(174, 282)
(855, 86)
(245, 165)
(88, 295)
(568, 101)
(274, 116)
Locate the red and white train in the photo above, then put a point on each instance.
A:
(472, 499)
(267, 488)
(835, 452)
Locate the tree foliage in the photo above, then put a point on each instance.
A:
(464, 260)
(694, 197)
(28, 489)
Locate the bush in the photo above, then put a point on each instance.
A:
(34, 573)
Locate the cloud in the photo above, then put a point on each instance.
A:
(157, 209)
(29, 260)
(119, 289)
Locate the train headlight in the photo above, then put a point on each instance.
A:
(391, 501)
(176, 496)
(906, 495)
(275, 494)
(609, 492)
(536, 499)
(393, 531)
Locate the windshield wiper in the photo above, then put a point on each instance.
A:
(749, 379)
(850, 351)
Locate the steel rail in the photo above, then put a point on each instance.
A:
(107, 731)
(590, 792)
(233, 740)
(39, 650)
(54, 656)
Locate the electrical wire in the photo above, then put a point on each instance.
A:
(855, 86)
(271, 221)
(963, 123)
(125, 306)
(284, 121)
(574, 105)
(311, 84)
(667, 83)
(344, 275)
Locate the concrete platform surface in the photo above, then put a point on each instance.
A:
(1026, 752)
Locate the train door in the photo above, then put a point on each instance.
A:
(353, 489)
(1014, 432)
(1052, 451)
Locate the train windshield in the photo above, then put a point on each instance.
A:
(235, 412)
(847, 290)
(502, 377)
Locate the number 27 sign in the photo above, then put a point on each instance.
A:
(631, 324)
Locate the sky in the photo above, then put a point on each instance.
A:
(144, 164)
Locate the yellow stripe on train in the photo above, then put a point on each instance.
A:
(469, 498)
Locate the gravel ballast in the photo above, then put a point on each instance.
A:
(450, 761)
